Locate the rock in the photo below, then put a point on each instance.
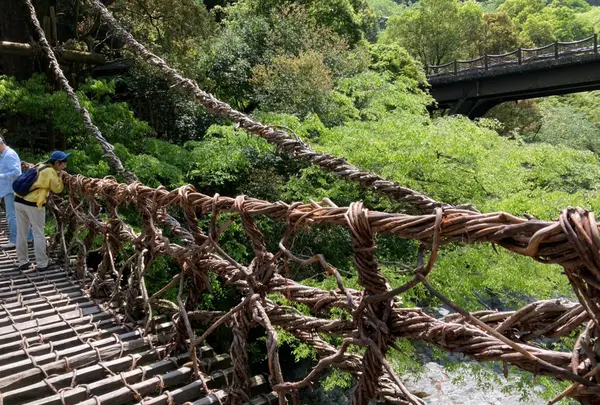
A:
(442, 311)
(443, 387)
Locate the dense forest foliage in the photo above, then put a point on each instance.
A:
(346, 76)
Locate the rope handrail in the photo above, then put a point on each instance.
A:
(541, 48)
(442, 65)
(377, 319)
(109, 151)
(281, 139)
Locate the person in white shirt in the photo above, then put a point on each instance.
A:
(10, 169)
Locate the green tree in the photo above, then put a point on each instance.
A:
(250, 39)
(396, 60)
(377, 95)
(294, 31)
(35, 103)
(517, 117)
(587, 103)
(293, 84)
(172, 115)
(569, 120)
(176, 30)
(385, 8)
(567, 24)
(471, 19)
(520, 10)
(500, 34)
(437, 31)
(348, 18)
(576, 5)
(227, 66)
(429, 32)
(591, 17)
(538, 30)
(555, 24)
(564, 125)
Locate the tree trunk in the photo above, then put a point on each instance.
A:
(13, 27)
(22, 49)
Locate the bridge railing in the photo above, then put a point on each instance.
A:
(186, 226)
(509, 58)
(520, 56)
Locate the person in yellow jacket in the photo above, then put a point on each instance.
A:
(31, 211)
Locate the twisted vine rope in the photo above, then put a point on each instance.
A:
(281, 139)
(109, 151)
(375, 318)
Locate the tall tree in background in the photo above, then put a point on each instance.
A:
(13, 28)
(555, 24)
(437, 31)
(385, 8)
(177, 30)
(500, 34)
(470, 15)
(520, 10)
(348, 18)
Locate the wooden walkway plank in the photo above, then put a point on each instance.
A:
(158, 383)
(33, 291)
(34, 302)
(81, 376)
(107, 383)
(38, 322)
(58, 346)
(35, 374)
(91, 320)
(259, 385)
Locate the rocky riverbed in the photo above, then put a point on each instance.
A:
(464, 382)
(438, 386)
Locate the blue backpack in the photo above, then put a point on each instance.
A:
(22, 184)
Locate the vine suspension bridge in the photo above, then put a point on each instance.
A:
(74, 335)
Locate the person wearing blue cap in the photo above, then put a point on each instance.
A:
(31, 211)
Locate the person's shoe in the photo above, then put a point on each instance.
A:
(46, 267)
(25, 266)
(8, 246)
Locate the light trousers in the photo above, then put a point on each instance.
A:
(31, 216)
(11, 218)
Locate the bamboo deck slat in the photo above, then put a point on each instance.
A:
(58, 346)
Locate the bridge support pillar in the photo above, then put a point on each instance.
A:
(473, 108)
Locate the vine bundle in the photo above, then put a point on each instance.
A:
(375, 318)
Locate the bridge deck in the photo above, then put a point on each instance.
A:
(58, 346)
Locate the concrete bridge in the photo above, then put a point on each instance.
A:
(473, 87)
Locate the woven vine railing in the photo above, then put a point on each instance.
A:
(375, 318)
(91, 211)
